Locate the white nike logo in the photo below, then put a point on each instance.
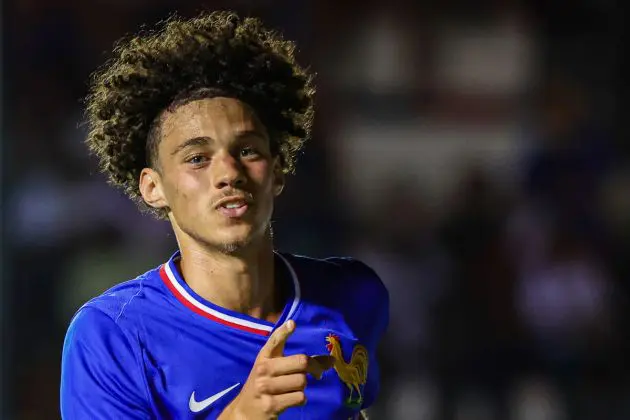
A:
(196, 407)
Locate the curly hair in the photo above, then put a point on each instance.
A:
(213, 54)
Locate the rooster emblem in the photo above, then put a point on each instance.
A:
(353, 374)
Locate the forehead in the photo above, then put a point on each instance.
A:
(217, 118)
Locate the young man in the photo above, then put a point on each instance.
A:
(199, 122)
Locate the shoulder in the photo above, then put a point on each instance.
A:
(122, 304)
(358, 282)
(111, 322)
(101, 363)
(360, 277)
(362, 290)
(339, 275)
(349, 286)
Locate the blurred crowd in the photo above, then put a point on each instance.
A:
(468, 152)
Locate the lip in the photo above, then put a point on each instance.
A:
(234, 213)
(233, 200)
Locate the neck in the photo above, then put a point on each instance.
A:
(242, 282)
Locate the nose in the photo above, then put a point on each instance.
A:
(228, 171)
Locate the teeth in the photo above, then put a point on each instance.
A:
(233, 205)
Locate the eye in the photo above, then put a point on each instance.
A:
(196, 159)
(249, 151)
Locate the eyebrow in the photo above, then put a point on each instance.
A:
(205, 140)
(250, 133)
(195, 141)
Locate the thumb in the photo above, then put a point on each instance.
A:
(274, 347)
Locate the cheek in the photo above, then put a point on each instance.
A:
(262, 175)
(186, 190)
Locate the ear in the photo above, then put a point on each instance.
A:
(151, 188)
(279, 177)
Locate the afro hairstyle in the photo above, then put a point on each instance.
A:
(213, 54)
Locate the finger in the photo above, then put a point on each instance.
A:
(284, 384)
(300, 363)
(317, 365)
(291, 399)
(297, 363)
(274, 347)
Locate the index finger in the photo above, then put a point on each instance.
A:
(274, 347)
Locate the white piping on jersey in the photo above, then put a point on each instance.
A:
(296, 286)
(229, 318)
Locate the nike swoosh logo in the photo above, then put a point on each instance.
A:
(197, 406)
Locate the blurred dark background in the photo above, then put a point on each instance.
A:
(471, 152)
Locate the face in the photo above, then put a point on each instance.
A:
(217, 174)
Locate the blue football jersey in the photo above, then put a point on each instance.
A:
(153, 348)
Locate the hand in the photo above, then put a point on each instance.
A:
(276, 382)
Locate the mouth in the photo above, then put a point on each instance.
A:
(233, 207)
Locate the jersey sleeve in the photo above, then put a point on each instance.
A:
(371, 302)
(367, 310)
(101, 376)
(374, 307)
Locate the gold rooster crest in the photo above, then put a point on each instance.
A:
(353, 373)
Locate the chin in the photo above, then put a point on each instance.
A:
(232, 247)
(233, 242)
